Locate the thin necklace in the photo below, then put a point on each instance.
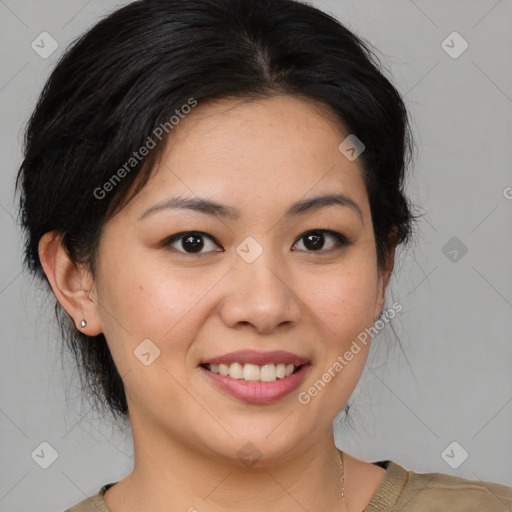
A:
(342, 478)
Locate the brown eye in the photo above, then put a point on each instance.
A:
(192, 242)
(316, 240)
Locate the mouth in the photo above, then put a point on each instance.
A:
(253, 372)
(256, 377)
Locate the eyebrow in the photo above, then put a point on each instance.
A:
(215, 209)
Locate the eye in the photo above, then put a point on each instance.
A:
(192, 242)
(315, 240)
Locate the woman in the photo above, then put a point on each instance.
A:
(213, 190)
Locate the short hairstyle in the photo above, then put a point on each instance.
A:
(124, 80)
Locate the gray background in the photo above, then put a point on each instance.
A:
(452, 382)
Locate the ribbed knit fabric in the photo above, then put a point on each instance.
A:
(401, 491)
(389, 489)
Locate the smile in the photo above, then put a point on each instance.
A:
(256, 377)
(252, 372)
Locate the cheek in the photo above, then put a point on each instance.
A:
(342, 303)
(141, 299)
(140, 305)
(343, 299)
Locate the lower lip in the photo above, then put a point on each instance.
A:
(258, 392)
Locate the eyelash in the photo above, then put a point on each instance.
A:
(341, 240)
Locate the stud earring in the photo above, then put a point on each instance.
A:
(83, 323)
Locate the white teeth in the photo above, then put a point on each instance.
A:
(281, 371)
(253, 372)
(268, 373)
(236, 371)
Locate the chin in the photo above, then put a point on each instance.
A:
(263, 444)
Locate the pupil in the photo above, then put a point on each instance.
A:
(195, 243)
(314, 241)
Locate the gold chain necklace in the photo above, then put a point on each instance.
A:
(342, 478)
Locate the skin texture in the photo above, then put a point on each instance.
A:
(259, 157)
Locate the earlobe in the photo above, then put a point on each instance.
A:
(385, 275)
(71, 283)
(381, 297)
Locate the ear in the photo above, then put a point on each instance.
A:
(71, 283)
(385, 274)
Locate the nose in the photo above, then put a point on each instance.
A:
(260, 296)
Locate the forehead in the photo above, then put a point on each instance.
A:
(255, 153)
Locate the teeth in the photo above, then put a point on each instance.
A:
(253, 372)
(268, 373)
(236, 371)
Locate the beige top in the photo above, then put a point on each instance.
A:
(401, 490)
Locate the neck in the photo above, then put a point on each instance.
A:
(170, 473)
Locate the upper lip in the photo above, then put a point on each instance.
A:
(258, 358)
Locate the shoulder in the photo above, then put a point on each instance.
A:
(95, 503)
(432, 492)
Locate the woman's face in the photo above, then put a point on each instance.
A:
(253, 279)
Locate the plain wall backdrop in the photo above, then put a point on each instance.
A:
(453, 381)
